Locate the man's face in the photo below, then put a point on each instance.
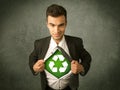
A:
(56, 26)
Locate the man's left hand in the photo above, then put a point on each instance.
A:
(76, 67)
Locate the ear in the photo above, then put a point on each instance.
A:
(66, 22)
(46, 23)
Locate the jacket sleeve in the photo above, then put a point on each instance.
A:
(33, 57)
(85, 59)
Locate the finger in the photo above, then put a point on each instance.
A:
(40, 61)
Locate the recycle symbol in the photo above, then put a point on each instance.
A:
(57, 64)
(61, 69)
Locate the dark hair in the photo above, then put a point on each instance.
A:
(55, 10)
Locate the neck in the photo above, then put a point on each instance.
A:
(57, 41)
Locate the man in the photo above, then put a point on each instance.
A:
(56, 18)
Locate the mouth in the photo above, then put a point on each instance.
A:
(56, 35)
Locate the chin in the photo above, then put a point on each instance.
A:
(57, 38)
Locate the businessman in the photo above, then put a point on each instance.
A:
(56, 20)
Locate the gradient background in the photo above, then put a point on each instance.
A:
(96, 21)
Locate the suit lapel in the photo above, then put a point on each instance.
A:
(70, 45)
(45, 46)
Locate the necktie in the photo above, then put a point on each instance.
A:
(64, 53)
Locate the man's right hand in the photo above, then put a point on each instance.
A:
(39, 66)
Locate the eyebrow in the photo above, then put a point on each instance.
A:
(58, 25)
(52, 24)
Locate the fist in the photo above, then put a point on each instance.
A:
(39, 66)
(76, 67)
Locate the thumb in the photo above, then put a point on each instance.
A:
(73, 62)
(40, 61)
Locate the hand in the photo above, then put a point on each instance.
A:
(39, 66)
(76, 67)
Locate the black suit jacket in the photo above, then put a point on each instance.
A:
(76, 50)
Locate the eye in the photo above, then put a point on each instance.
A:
(52, 25)
(61, 25)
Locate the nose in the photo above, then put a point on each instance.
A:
(56, 29)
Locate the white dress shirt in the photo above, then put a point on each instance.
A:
(53, 82)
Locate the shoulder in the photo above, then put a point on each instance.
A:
(73, 38)
(42, 41)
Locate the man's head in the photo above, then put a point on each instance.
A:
(56, 17)
(55, 10)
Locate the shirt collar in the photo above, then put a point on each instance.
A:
(54, 44)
